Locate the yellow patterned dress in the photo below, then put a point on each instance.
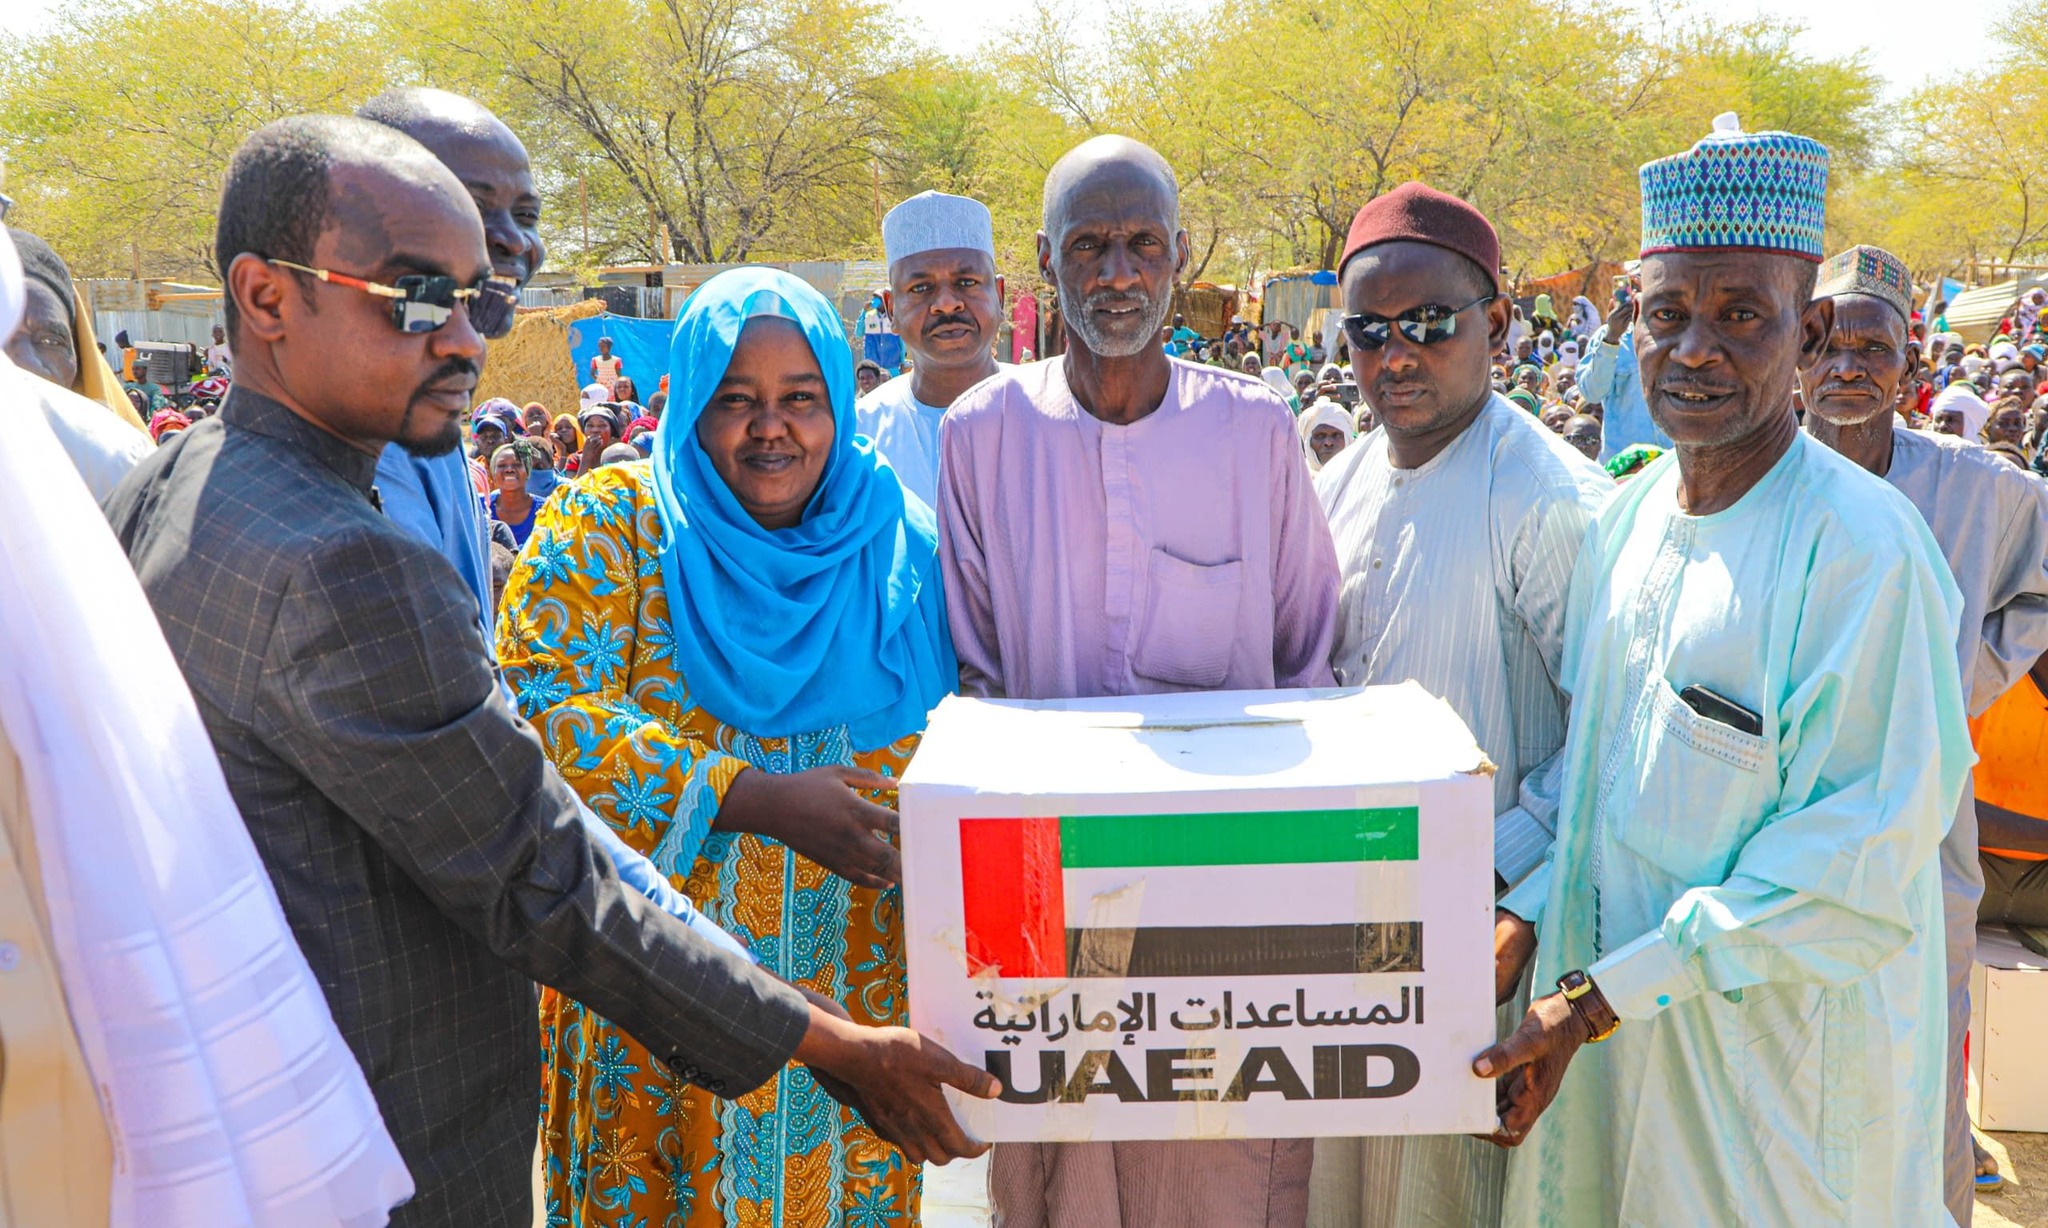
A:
(584, 637)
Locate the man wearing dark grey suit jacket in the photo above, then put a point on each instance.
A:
(429, 859)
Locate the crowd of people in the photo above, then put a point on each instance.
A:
(1725, 582)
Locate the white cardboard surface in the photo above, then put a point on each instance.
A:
(1192, 754)
(2008, 1001)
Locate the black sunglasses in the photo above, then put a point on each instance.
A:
(1424, 325)
(421, 304)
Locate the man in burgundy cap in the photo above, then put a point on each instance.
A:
(1456, 527)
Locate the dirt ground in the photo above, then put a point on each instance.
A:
(2023, 1203)
(954, 1198)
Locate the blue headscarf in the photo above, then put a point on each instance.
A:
(840, 620)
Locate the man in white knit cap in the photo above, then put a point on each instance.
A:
(947, 300)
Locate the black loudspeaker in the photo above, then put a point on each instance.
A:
(168, 365)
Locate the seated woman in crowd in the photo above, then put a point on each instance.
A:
(568, 443)
(600, 425)
(625, 391)
(509, 503)
(729, 652)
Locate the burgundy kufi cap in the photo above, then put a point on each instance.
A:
(1415, 211)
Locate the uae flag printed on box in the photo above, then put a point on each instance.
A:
(1203, 915)
(1246, 893)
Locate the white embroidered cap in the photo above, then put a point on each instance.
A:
(934, 221)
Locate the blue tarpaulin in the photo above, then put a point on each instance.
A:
(641, 345)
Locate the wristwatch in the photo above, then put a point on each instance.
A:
(1575, 986)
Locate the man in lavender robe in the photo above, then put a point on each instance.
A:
(1118, 522)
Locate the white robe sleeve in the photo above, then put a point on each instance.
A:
(1540, 556)
(1873, 750)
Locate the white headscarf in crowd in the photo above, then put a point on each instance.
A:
(1962, 395)
(2031, 306)
(1279, 381)
(1585, 318)
(230, 1097)
(1325, 412)
(1518, 328)
(1546, 346)
(1568, 354)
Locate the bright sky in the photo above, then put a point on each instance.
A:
(1905, 44)
(1908, 42)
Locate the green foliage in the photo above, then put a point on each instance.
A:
(1540, 120)
(741, 127)
(117, 124)
(1969, 181)
(715, 130)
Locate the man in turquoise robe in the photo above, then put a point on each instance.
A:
(1767, 744)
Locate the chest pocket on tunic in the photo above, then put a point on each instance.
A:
(1190, 625)
(1701, 787)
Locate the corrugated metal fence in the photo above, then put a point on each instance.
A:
(124, 305)
(1295, 298)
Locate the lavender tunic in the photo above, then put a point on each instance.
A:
(1185, 551)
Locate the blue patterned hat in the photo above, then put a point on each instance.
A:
(1868, 270)
(1736, 190)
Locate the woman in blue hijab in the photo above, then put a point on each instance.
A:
(729, 649)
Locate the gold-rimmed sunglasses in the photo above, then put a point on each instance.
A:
(421, 304)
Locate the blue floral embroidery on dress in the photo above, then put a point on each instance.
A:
(623, 719)
(538, 690)
(656, 690)
(610, 1069)
(599, 653)
(873, 1207)
(590, 744)
(547, 559)
(878, 995)
(639, 800)
(659, 643)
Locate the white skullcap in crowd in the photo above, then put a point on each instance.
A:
(1962, 397)
(1325, 412)
(934, 221)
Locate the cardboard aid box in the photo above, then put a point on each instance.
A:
(1262, 914)
(2008, 1009)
